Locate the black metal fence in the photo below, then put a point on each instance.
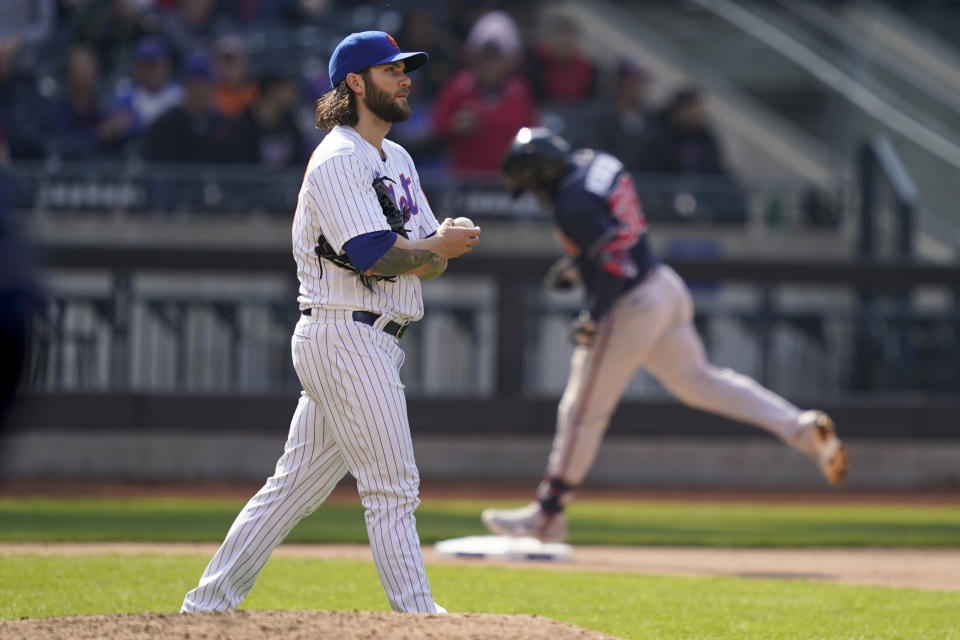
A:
(800, 328)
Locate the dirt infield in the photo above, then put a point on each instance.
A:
(297, 625)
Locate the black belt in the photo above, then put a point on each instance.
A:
(366, 317)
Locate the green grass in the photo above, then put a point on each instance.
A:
(594, 522)
(626, 605)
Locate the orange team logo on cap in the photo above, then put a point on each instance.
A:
(392, 41)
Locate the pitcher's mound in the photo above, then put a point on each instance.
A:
(297, 625)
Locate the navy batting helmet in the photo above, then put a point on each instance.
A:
(535, 160)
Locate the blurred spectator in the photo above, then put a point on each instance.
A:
(260, 11)
(416, 134)
(28, 22)
(22, 108)
(163, 5)
(499, 28)
(194, 26)
(194, 131)
(421, 32)
(679, 140)
(308, 11)
(75, 115)
(111, 28)
(464, 14)
(314, 82)
(19, 294)
(621, 124)
(267, 133)
(559, 70)
(4, 156)
(140, 101)
(481, 107)
(235, 90)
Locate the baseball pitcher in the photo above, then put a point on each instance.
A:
(363, 238)
(639, 313)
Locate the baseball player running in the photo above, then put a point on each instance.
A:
(363, 238)
(639, 313)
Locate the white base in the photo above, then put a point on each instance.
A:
(504, 548)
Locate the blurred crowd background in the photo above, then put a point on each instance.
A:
(208, 81)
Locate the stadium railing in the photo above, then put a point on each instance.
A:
(136, 188)
(790, 324)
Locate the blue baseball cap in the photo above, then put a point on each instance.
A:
(367, 49)
(150, 48)
(197, 66)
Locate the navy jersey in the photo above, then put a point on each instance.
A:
(597, 210)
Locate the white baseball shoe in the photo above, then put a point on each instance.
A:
(817, 439)
(438, 608)
(530, 520)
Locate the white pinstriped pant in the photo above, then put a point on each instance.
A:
(651, 327)
(352, 416)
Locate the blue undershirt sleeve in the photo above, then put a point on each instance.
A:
(364, 250)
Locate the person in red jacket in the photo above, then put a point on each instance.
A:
(480, 107)
(560, 71)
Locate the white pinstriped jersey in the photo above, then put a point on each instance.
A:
(337, 200)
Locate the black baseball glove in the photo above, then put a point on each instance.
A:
(342, 260)
(395, 218)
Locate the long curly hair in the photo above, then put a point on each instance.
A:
(339, 105)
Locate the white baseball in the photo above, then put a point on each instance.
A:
(463, 221)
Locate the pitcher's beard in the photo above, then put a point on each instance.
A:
(384, 106)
